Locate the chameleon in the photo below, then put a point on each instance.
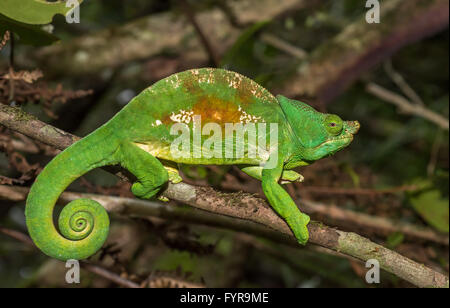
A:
(208, 108)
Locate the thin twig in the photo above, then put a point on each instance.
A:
(231, 16)
(17, 235)
(368, 224)
(190, 14)
(4, 39)
(406, 106)
(434, 153)
(358, 191)
(11, 69)
(402, 84)
(284, 46)
(102, 272)
(250, 208)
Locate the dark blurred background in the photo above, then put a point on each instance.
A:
(390, 185)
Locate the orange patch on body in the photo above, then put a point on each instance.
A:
(215, 110)
(210, 108)
(243, 93)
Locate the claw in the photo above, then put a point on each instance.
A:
(163, 199)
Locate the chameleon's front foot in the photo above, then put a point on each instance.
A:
(299, 226)
(163, 199)
(290, 176)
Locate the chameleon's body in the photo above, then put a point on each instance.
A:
(139, 138)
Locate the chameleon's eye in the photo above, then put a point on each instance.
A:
(334, 124)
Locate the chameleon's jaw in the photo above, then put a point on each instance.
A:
(334, 144)
(350, 129)
(346, 137)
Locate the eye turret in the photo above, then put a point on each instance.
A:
(333, 124)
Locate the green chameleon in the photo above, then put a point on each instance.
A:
(142, 139)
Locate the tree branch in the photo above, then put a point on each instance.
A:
(356, 221)
(336, 64)
(209, 48)
(398, 79)
(248, 207)
(406, 106)
(368, 224)
(100, 271)
(152, 35)
(125, 206)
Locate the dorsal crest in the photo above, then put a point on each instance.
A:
(241, 88)
(289, 105)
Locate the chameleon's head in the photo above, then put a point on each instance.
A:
(319, 134)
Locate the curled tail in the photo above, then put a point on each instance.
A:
(83, 223)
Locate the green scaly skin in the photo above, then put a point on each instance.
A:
(138, 138)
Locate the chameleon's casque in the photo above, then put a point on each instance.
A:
(140, 138)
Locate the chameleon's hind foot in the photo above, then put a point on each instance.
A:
(150, 173)
(143, 192)
(174, 178)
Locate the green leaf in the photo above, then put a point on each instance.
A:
(28, 34)
(242, 46)
(395, 239)
(432, 207)
(37, 12)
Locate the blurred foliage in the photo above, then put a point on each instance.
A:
(35, 12)
(28, 34)
(31, 22)
(391, 149)
(431, 206)
(394, 239)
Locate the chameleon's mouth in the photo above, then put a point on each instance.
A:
(347, 138)
(350, 129)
